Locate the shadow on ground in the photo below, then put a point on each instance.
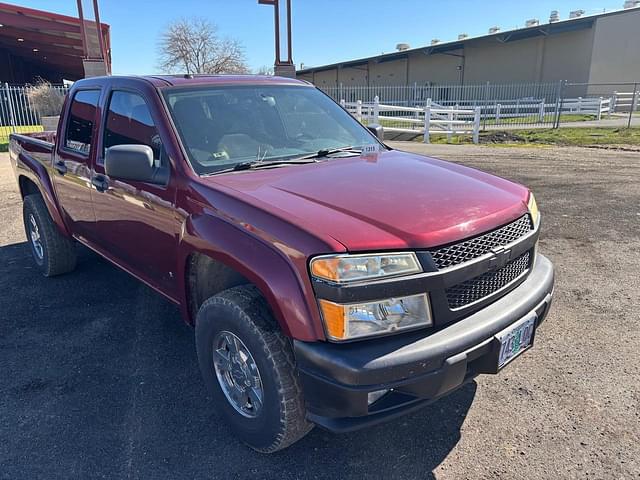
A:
(98, 379)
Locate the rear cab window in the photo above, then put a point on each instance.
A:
(82, 115)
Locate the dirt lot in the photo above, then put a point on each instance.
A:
(98, 376)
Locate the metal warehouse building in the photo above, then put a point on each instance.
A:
(591, 49)
(39, 44)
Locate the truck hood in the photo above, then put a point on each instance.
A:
(387, 200)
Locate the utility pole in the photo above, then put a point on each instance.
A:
(282, 16)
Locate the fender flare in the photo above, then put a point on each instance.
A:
(28, 167)
(276, 275)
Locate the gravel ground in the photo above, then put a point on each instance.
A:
(98, 375)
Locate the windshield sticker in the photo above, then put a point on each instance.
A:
(374, 148)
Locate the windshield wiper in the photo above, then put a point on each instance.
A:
(245, 165)
(257, 164)
(309, 158)
(325, 152)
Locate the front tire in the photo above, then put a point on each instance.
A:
(53, 253)
(248, 368)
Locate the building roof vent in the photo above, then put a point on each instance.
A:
(435, 41)
(534, 22)
(631, 4)
(554, 16)
(576, 14)
(493, 30)
(401, 47)
(462, 36)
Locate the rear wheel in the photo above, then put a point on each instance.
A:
(248, 367)
(53, 253)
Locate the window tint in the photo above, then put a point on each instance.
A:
(223, 126)
(300, 114)
(129, 122)
(81, 118)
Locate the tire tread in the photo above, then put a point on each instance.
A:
(247, 300)
(60, 255)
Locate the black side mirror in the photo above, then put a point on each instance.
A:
(377, 130)
(132, 162)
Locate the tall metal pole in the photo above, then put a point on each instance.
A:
(276, 10)
(486, 99)
(561, 105)
(83, 33)
(633, 104)
(12, 117)
(103, 50)
(285, 68)
(289, 50)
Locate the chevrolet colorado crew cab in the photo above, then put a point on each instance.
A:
(331, 280)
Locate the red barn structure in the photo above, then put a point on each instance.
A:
(39, 44)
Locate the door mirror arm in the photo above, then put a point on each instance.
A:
(377, 130)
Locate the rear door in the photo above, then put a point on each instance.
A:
(72, 164)
(136, 223)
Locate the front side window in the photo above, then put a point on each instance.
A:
(129, 122)
(82, 116)
(224, 126)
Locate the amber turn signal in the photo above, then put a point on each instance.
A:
(333, 315)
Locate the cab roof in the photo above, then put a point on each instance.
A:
(163, 81)
(183, 80)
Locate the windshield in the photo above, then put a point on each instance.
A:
(224, 126)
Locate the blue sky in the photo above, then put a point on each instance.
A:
(324, 31)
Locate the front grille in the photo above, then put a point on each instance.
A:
(475, 247)
(484, 285)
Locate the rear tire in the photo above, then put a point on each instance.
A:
(53, 253)
(276, 418)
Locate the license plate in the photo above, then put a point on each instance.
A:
(515, 340)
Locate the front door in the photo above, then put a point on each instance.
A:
(72, 165)
(135, 221)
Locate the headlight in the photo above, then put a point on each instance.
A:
(352, 268)
(355, 320)
(533, 209)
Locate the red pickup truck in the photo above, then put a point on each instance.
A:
(331, 280)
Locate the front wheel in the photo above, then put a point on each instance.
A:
(248, 367)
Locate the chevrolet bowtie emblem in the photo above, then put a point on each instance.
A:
(500, 258)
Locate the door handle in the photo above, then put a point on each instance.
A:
(100, 182)
(60, 167)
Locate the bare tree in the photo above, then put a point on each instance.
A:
(193, 46)
(265, 70)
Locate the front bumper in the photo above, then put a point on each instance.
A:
(419, 369)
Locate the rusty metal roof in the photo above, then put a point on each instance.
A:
(48, 38)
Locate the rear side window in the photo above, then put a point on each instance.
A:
(129, 122)
(82, 116)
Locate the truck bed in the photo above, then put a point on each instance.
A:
(39, 146)
(40, 137)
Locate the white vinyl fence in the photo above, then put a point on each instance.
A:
(428, 120)
(504, 104)
(456, 118)
(587, 106)
(531, 110)
(625, 101)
